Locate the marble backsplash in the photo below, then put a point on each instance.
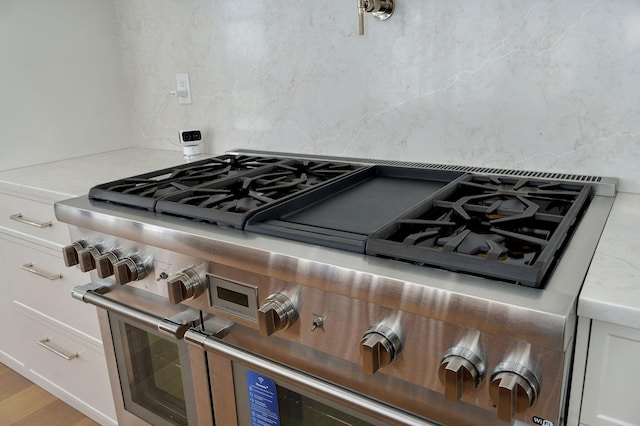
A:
(550, 85)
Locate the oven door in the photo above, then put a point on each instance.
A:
(156, 379)
(261, 392)
(155, 373)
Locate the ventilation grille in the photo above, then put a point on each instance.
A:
(602, 186)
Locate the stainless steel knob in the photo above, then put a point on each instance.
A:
(461, 371)
(379, 347)
(184, 285)
(87, 257)
(276, 313)
(70, 252)
(105, 262)
(513, 389)
(129, 269)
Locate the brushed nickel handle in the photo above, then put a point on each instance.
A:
(45, 343)
(18, 217)
(41, 272)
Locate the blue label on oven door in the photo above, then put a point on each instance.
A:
(263, 400)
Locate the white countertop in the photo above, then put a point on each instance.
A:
(74, 177)
(611, 291)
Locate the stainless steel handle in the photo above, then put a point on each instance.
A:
(18, 217)
(166, 326)
(45, 344)
(278, 372)
(177, 325)
(41, 272)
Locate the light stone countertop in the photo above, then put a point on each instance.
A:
(58, 180)
(611, 291)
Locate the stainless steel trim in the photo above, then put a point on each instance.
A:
(67, 356)
(602, 185)
(221, 374)
(18, 217)
(325, 389)
(30, 267)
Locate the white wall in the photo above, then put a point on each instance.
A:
(62, 91)
(550, 85)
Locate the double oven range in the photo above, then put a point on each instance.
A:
(260, 288)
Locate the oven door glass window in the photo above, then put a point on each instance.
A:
(263, 401)
(151, 373)
(298, 409)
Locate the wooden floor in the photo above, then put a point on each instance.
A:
(26, 404)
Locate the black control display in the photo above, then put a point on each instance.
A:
(233, 296)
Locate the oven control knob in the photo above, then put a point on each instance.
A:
(513, 389)
(129, 269)
(276, 313)
(461, 370)
(105, 262)
(70, 252)
(379, 347)
(87, 257)
(184, 285)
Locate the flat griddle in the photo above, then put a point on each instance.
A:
(343, 214)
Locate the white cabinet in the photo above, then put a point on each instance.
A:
(45, 334)
(11, 351)
(612, 381)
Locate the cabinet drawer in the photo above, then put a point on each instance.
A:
(50, 295)
(68, 364)
(32, 219)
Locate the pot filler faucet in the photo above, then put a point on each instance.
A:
(381, 9)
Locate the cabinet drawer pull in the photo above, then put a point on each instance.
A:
(45, 344)
(20, 218)
(35, 270)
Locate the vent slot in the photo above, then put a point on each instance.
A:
(602, 186)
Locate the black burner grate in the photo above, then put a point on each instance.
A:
(145, 190)
(230, 202)
(505, 228)
(223, 190)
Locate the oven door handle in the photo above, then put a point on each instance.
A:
(197, 338)
(175, 326)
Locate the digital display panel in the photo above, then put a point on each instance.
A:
(233, 296)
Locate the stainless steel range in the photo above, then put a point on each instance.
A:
(260, 288)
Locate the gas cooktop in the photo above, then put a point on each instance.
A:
(507, 228)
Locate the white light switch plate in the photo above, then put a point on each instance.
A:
(183, 84)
